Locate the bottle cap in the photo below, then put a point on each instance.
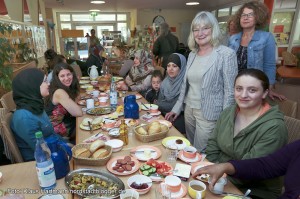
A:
(38, 134)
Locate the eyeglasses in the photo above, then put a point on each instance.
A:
(249, 15)
(203, 29)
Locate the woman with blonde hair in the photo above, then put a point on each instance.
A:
(207, 87)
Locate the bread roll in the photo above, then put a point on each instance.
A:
(100, 153)
(97, 144)
(83, 153)
(154, 128)
(142, 131)
(163, 128)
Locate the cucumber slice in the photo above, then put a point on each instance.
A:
(146, 173)
(147, 167)
(142, 168)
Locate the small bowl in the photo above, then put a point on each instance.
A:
(94, 82)
(129, 193)
(115, 132)
(189, 152)
(109, 124)
(115, 144)
(140, 179)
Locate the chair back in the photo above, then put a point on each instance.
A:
(293, 127)
(77, 71)
(7, 102)
(11, 149)
(288, 107)
(289, 59)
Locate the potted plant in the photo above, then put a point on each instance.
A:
(6, 52)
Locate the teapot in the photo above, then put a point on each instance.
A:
(61, 154)
(93, 72)
(131, 108)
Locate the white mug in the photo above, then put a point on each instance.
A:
(96, 93)
(90, 103)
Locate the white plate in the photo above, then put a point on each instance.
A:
(154, 114)
(141, 155)
(84, 82)
(85, 78)
(173, 142)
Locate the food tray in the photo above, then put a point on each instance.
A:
(150, 138)
(97, 190)
(91, 161)
(100, 110)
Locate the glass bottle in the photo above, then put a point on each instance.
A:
(113, 94)
(44, 164)
(124, 132)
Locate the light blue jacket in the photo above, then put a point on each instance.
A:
(261, 52)
(24, 125)
(217, 90)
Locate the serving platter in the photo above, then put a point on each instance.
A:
(100, 111)
(113, 189)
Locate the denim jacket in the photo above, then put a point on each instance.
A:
(261, 52)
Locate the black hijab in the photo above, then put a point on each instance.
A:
(26, 90)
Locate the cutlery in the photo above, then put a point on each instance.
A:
(147, 109)
(133, 152)
(91, 127)
(223, 193)
(246, 194)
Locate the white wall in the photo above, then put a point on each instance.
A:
(175, 18)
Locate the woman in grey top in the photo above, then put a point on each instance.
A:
(207, 88)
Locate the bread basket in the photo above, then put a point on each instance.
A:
(152, 137)
(91, 161)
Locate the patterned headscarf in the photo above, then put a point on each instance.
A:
(140, 72)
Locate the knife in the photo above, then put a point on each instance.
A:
(91, 127)
(133, 152)
(147, 109)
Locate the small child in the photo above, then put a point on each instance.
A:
(151, 95)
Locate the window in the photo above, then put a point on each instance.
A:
(65, 17)
(281, 26)
(234, 9)
(223, 12)
(121, 17)
(105, 17)
(82, 17)
(285, 4)
(65, 26)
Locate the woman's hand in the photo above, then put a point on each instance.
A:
(171, 116)
(273, 95)
(215, 171)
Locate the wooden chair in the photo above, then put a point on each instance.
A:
(11, 149)
(7, 102)
(293, 127)
(289, 59)
(288, 107)
(77, 71)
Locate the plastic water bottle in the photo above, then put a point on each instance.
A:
(113, 94)
(44, 165)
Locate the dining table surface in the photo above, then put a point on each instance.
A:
(22, 177)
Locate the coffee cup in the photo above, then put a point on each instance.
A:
(153, 108)
(103, 101)
(219, 186)
(196, 189)
(189, 152)
(129, 193)
(173, 183)
(96, 93)
(90, 103)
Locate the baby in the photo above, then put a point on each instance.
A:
(151, 95)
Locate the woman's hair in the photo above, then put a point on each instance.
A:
(57, 59)
(72, 90)
(260, 11)
(157, 73)
(207, 19)
(258, 74)
(164, 29)
(49, 55)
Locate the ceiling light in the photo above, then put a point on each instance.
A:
(94, 10)
(192, 3)
(97, 2)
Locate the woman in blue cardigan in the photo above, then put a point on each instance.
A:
(254, 47)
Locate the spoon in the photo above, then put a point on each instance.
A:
(246, 194)
(217, 192)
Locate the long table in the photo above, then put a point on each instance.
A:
(133, 142)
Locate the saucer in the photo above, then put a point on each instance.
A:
(189, 160)
(154, 114)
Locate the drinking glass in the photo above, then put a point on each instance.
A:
(162, 192)
(172, 153)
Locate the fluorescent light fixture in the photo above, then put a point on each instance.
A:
(97, 2)
(192, 3)
(94, 10)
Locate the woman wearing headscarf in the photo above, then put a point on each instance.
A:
(95, 58)
(29, 88)
(170, 88)
(139, 77)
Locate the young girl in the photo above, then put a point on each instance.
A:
(151, 95)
